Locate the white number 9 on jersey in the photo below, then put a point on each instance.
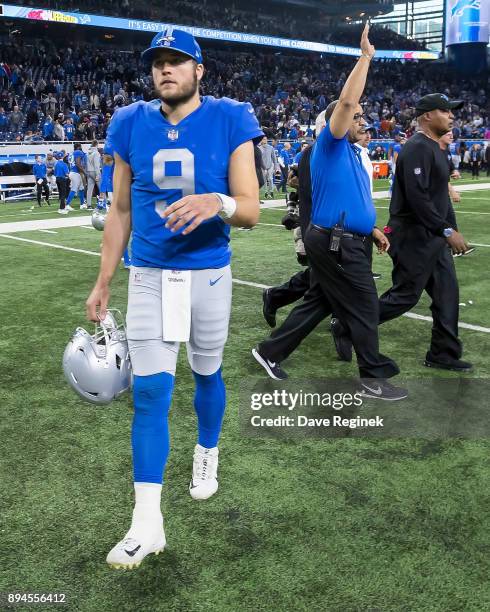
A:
(185, 181)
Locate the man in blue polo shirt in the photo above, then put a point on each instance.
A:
(40, 171)
(343, 215)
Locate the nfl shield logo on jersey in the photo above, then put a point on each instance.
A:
(173, 134)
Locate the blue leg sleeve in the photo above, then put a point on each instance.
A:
(209, 403)
(149, 437)
(81, 195)
(70, 197)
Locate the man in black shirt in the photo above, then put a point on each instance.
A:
(421, 227)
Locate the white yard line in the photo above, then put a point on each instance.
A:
(410, 315)
(48, 231)
(38, 224)
(50, 244)
(457, 211)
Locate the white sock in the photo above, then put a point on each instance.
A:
(147, 515)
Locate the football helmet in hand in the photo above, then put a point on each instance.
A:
(97, 366)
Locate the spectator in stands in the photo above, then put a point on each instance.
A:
(28, 136)
(58, 131)
(30, 91)
(16, 119)
(48, 128)
(69, 129)
(3, 121)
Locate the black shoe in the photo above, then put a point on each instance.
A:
(376, 275)
(273, 369)
(456, 366)
(379, 388)
(267, 310)
(343, 344)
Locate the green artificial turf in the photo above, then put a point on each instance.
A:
(336, 525)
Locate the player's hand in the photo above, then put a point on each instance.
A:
(455, 174)
(380, 240)
(193, 209)
(457, 243)
(98, 300)
(366, 47)
(455, 196)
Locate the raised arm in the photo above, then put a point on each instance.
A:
(352, 91)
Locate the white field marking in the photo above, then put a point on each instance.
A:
(48, 231)
(37, 224)
(475, 197)
(87, 227)
(280, 225)
(410, 315)
(49, 244)
(272, 204)
(457, 211)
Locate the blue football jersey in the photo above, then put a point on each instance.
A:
(169, 162)
(72, 159)
(107, 170)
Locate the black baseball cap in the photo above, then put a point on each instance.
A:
(436, 101)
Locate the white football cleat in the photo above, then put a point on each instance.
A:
(62, 211)
(68, 207)
(83, 206)
(130, 552)
(204, 471)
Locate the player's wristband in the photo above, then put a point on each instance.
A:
(228, 205)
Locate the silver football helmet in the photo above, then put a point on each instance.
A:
(98, 218)
(97, 366)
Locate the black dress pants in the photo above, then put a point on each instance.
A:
(421, 261)
(347, 282)
(301, 321)
(40, 187)
(291, 291)
(63, 190)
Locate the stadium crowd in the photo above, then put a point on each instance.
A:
(254, 17)
(51, 93)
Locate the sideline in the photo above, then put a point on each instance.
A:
(410, 315)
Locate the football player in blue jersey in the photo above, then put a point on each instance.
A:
(106, 188)
(178, 191)
(77, 175)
